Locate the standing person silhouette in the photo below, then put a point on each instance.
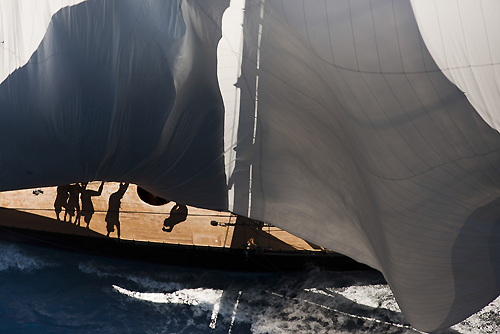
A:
(61, 199)
(73, 203)
(86, 197)
(113, 214)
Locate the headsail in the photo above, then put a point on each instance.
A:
(367, 127)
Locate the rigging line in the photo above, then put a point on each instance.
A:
(15, 55)
(344, 313)
(275, 268)
(260, 264)
(142, 212)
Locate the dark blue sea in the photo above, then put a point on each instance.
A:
(44, 290)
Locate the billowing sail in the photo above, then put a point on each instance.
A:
(367, 127)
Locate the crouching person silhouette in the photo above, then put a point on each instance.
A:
(178, 214)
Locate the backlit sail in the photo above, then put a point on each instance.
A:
(366, 127)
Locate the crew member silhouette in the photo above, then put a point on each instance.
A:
(178, 214)
(86, 197)
(73, 203)
(61, 199)
(113, 214)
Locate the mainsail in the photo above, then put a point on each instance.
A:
(367, 127)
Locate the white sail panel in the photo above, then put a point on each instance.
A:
(462, 36)
(365, 147)
(23, 26)
(330, 119)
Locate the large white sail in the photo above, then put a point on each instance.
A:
(367, 127)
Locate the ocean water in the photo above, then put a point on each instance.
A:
(49, 291)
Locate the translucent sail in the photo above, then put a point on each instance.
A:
(462, 37)
(367, 127)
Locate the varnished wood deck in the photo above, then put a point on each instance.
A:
(34, 209)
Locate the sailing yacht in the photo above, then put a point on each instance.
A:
(368, 128)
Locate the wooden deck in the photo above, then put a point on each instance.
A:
(34, 209)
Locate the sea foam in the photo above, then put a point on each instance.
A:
(143, 280)
(12, 257)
